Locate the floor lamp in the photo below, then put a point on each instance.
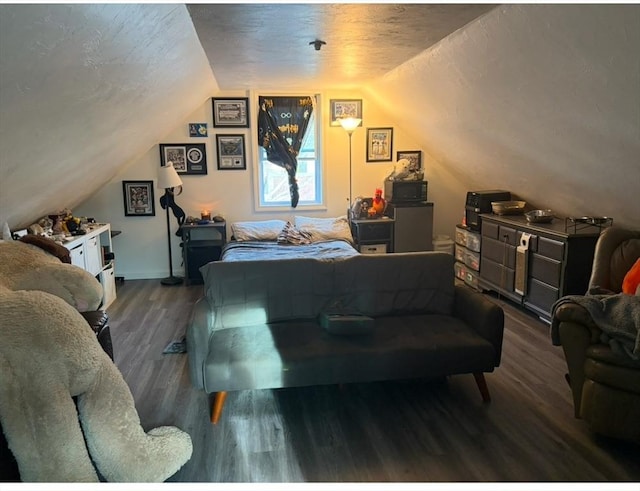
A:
(350, 125)
(168, 179)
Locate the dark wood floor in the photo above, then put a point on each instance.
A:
(420, 431)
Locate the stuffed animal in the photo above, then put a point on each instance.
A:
(406, 170)
(48, 355)
(400, 170)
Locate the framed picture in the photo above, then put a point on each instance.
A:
(230, 113)
(138, 198)
(379, 144)
(197, 130)
(413, 156)
(345, 108)
(187, 158)
(231, 155)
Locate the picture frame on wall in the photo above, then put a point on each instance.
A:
(187, 158)
(230, 112)
(231, 152)
(138, 198)
(379, 144)
(413, 156)
(198, 130)
(345, 108)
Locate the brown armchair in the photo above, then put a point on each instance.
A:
(605, 382)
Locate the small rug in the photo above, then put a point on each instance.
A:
(176, 347)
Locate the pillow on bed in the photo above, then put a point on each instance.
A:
(260, 230)
(325, 228)
(291, 235)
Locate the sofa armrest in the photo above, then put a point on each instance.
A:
(482, 315)
(198, 333)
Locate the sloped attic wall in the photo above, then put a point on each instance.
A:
(85, 90)
(542, 100)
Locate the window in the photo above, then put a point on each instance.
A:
(273, 182)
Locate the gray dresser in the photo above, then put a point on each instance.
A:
(556, 263)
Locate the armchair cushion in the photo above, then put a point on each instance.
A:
(613, 375)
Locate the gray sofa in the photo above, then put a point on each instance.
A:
(257, 325)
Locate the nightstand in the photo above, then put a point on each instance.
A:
(201, 244)
(373, 235)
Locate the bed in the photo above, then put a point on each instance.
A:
(269, 240)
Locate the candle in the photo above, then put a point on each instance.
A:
(205, 215)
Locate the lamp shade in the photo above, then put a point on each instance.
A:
(168, 177)
(350, 124)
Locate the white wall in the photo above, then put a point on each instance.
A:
(141, 249)
(541, 100)
(86, 89)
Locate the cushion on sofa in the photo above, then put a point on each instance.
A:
(302, 353)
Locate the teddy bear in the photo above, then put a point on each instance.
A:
(405, 170)
(49, 355)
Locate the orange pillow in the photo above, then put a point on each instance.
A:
(631, 280)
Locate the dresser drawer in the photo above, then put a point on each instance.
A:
(473, 241)
(490, 229)
(471, 278)
(545, 270)
(472, 259)
(373, 249)
(508, 235)
(550, 248)
(374, 231)
(460, 253)
(541, 295)
(497, 274)
(499, 252)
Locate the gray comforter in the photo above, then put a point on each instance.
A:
(266, 251)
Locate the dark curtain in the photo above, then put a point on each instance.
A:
(282, 123)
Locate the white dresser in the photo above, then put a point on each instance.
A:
(93, 252)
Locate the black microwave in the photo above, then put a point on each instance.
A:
(405, 191)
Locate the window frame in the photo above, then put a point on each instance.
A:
(320, 203)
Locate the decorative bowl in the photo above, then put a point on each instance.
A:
(539, 216)
(508, 207)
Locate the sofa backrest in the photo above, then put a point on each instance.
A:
(255, 292)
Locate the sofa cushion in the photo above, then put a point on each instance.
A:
(300, 353)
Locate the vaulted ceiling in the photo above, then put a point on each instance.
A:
(537, 98)
(268, 45)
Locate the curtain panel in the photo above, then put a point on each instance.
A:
(282, 124)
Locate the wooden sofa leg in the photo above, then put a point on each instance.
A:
(216, 410)
(482, 385)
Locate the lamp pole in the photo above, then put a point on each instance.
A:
(349, 125)
(169, 180)
(350, 178)
(170, 280)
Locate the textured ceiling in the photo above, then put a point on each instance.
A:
(267, 45)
